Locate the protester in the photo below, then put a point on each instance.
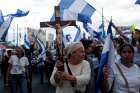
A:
(50, 62)
(124, 77)
(76, 74)
(89, 56)
(5, 65)
(136, 45)
(17, 68)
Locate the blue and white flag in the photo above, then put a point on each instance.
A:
(42, 49)
(81, 10)
(101, 29)
(27, 43)
(78, 35)
(19, 13)
(1, 18)
(4, 28)
(137, 2)
(107, 57)
(97, 34)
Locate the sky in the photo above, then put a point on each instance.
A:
(123, 12)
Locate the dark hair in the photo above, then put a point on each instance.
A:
(22, 51)
(9, 51)
(86, 43)
(126, 45)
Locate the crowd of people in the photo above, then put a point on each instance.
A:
(81, 63)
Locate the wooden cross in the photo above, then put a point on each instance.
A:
(58, 24)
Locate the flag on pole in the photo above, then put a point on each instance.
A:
(1, 18)
(4, 28)
(19, 13)
(42, 50)
(101, 29)
(107, 57)
(81, 10)
(78, 35)
(27, 43)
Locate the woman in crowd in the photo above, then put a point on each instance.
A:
(5, 65)
(125, 75)
(90, 57)
(17, 68)
(76, 74)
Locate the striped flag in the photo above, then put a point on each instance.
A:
(101, 29)
(4, 28)
(107, 57)
(27, 43)
(78, 35)
(1, 18)
(19, 13)
(42, 50)
(79, 9)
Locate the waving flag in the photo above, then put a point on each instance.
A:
(107, 57)
(78, 35)
(1, 18)
(4, 28)
(42, 49)
(19, 13)
(80, 8)
(137, 2)
(97, 34)
(101, 29)
(27, 43)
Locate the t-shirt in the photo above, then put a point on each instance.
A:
(132, 75)
(18, 64)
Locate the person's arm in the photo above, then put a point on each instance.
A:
(105, 80)
(108, 81)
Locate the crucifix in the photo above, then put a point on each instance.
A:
(58, 24)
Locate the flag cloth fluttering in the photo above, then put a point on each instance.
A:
(79, 9)
(19, 13)
(27, 43)
(42, 50)
(4, 25)
(4, 28)
(1, 18)
(78, 35)
(137, 2)
(107, 57)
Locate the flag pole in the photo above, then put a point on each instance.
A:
(17, 35)
(103, 22)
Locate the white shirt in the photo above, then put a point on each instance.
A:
(81, 72)
(132, 75)
(18, 64)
